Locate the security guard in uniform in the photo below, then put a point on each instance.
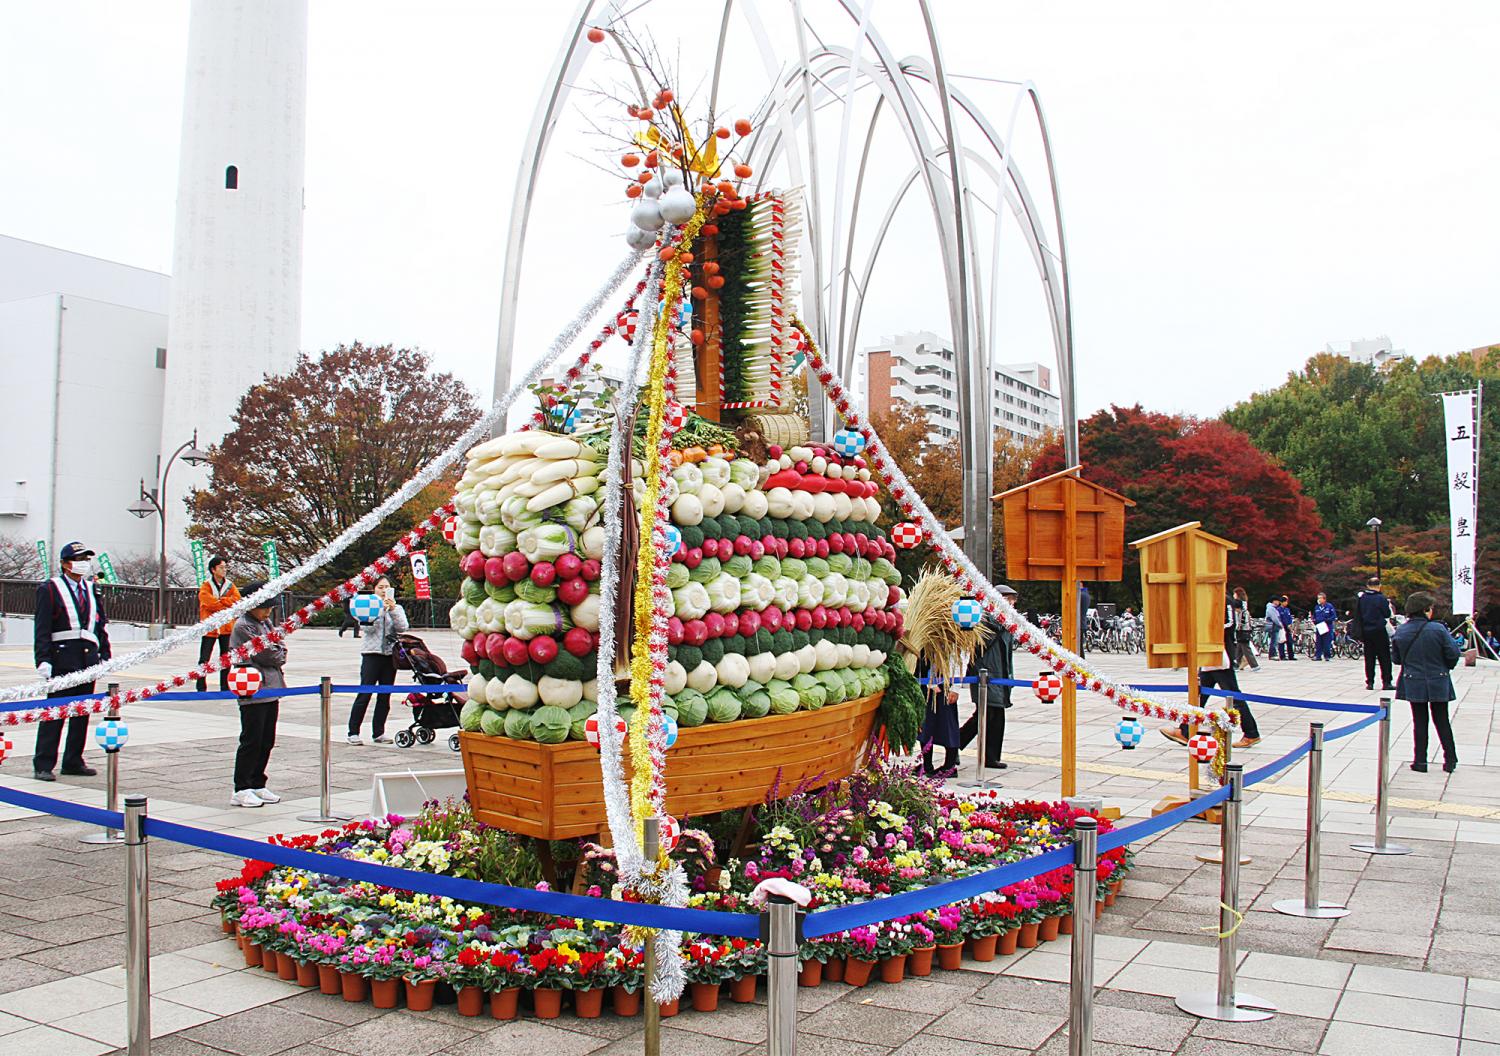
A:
(70, 636)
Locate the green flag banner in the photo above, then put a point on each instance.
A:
(273, 563)
(41, 553)
(200, 560)
(107, 569)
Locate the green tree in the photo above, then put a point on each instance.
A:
(1404, 571)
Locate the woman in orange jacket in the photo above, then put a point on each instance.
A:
(216, 594)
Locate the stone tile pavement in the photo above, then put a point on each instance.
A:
(1413, 969)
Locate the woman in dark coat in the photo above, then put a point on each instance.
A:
(940, 723)
(1426, 652)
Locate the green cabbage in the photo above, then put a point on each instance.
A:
(723, 705)
(473, 591)
(677, 575)
(550, 724)
(471, 715)
(794, 567)
(817, 568)
(840, 563)
(518, 725)
(504, 593)
(526, 590)
(707, 571)
(833, 687)
(861, 569)
(755, 701)
(769, 567)
(692, 708)
(739, 566)
(492, 723)
(784, 699)
(810, 691)
(580, 713)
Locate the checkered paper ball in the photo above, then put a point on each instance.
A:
(591, 728)
(668, 832)
(967, 613)
(1203, 746)
(1047, 686)
(6, 747)
(848, 442)
(365, 608)
(669, 730)
(625, 325)
(111, 735)
(244, 681)
(450, 528)
(906, 535)
(1129, 731)
(674, 415)
(671, 539)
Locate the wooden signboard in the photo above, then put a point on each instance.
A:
(1066, 529)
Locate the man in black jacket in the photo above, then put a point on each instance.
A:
(1372, 610)
(996, 659)
(70, 636)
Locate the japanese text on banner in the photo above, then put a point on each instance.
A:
(1460, 423)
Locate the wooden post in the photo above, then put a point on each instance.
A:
(1190, 582)
(1071, 632)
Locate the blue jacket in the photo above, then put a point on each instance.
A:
(1426, 652)
(1286, 616)
(64, 637)
(1325, 613)
(1374, 609)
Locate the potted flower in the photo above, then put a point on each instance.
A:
(707, 966)
(626, 969)
(893, 944)
(924, 945)
(326, 948)
(1031, 914)
(749, 964)
(1050, 906)
(352, 964)
(503, 975)
(1009, 915)
(550, 976)
(589, 980)
(467, 977)
(810, 957)
(862, 957)
(983, 926)
(421, 978)
(384, 971)
(948, 933)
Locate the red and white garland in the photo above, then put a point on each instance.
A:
(1032, 638)
(623, 323)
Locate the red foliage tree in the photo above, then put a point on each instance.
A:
(1180, 469)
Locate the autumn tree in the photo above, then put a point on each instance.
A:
(314, 450)
(934, 469)
(1181, 469)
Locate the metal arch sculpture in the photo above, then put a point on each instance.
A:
(941, 161)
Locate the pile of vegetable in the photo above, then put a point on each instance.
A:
(783, 589)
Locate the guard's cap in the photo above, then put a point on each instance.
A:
(74, 551)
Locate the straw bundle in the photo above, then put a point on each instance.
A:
(930, 630)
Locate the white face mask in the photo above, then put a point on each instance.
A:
(83, 567)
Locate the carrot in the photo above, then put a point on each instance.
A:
(694, 454)
(675, 457)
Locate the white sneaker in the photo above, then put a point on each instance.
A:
(245, 798)
(385, 738)
(265, 795)
(353, 738)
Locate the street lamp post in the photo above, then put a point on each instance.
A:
(1374, 525)
(154, 501)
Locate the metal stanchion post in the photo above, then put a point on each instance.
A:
(651, 851)
(325, 805)
(1085, 895)
(1311, 903)
(1382, 785)
(981, 719)
(111, 783)
(780, 926)
(1224, 1004)
(137, 930)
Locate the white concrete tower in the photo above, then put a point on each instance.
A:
(236, 310)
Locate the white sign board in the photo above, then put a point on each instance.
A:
(1461, 427)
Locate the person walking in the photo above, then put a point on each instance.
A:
(997, 659)
(258, 714)
(215, 594)
(1324, 616)
(940, 721)
(70, 635)
(1427, 653)
(1238, 631)
(1284, 612)
(1372, 615)
(1220, 676)
(1273, 629)
(377, 663)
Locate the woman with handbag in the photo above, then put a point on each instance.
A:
(257, 714)
(1427, 653)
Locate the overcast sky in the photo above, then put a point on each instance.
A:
(1240, 184)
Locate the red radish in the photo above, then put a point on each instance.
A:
(578, 641)
(494, 571)
(757, 549)
(710, 549)
(494, 648)
(845, 615)
(515, 652)
(473, 565)
(858, 622)
(823, 549)
(469, 653)
(814, 484)
(892, 596)
(544, 573)
(751, 621)
(859, 463)
(542, 649)
(800, 466)
(796, 547)
(674, 631)
(591, 570)
(774, 450)
(835, 543)
(900, 625)
(694, 557)
(726, 549)
(479, 641)
(742, 545)
(820, 617)
(517, 567)
(694, 632)
(804, 619)
(572, 591)
(887, 549)
(569, 566)
(713, 623)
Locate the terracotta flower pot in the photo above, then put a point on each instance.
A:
(1118, 886)
(857, 971)
(1066, 927)
(470, 1000)
(706, 996)
(670, 1008)
(252, 954)
(419, 993)
(951, 956)
(307, 973)
(920, 961)
(270, 961)
(548, 1002)
(286, 968)
(588, 1004)
(226, 924)
(742, 990)
(328, 979)
(385, 992)
(811, 973)
(1098, 910)
(1047, 931)
(982, 947)
(1028, 937)
(1111, 895)
(833, 971)
(893, 969)
(353, 986)
(626, 1003)
(505, 1004)
(1008, 942)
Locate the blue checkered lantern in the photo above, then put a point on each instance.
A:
(669, 730)
(365, 608)
(672, 539)
(1129, 731)
(967, 613)
(111, 734)
(848, 442)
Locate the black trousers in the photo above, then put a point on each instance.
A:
(994, 733)
(206, 650)
(1439, 711)
(1225, 679)
(49, 734)
(1378, 646)
(1242, 650)
(375, 669)
(257, 738)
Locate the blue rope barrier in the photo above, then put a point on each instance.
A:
(1294, 702)
(219, 694)
(1108, 841)
(1353, 727)
(109, 819)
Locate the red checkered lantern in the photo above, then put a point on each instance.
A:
(1203, 747)
(591, 728)
(674, 416)
(668, 832)
(6, 747)
(450, 528)
(906, 535)
(244, 681)
(1047, 687)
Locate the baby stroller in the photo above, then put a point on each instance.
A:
(430, 712)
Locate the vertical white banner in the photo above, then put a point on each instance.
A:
(1460, 423)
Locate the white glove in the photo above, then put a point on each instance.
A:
(44, 669)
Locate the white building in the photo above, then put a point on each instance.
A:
(83, 349)
(1376, 351)
(918, 369)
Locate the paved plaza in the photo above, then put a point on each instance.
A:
(1414, 969)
